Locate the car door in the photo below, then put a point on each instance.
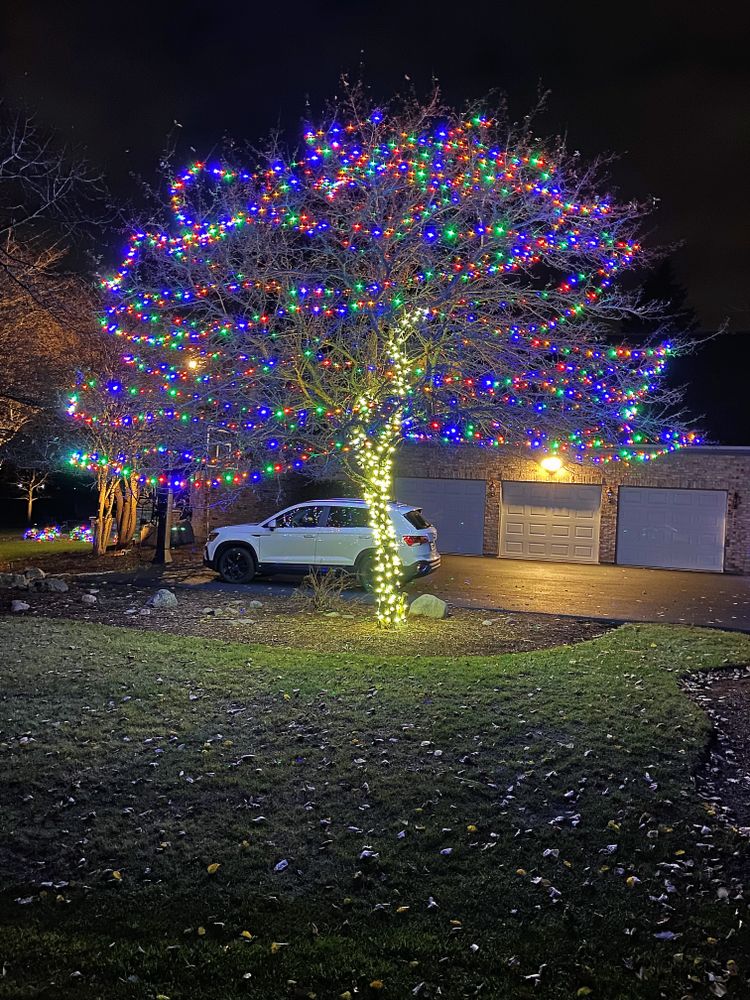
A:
(291, 542)
(343, 535)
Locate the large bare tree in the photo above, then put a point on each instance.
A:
(48, 196)
(412, 273)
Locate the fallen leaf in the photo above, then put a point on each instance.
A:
(213, 868)
(117, 876)
(376, 984)
(247, 935)
(201, 931)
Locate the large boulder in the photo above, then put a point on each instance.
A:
(428, 606)
(13, 581)
(162, 599)
(34, 573)
(18, 606)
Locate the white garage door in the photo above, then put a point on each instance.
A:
(558, 522)
(675, 529)
(454, 506)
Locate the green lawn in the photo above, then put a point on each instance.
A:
(517, 826)
(13, 548)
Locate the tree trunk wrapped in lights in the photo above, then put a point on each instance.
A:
(373, 458)
(412, 273)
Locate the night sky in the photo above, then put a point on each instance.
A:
(665, 85)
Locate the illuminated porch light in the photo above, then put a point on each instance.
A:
(551, 464)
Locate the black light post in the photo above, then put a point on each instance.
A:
(164, 498)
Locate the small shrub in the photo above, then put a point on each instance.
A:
(322, 589)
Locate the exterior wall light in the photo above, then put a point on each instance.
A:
(551, 464)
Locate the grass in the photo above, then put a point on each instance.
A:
(543, 801)
(14, 548)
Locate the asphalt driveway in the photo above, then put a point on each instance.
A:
(614, 593)
(620, 593)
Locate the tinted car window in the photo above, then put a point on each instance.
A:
(348, 517)
(300, 517)
(415, 519)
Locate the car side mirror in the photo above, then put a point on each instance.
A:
(272, 525)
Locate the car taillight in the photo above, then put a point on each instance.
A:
(416, 539)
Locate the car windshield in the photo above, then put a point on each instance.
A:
(416, 520)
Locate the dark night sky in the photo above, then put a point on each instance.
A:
(665, 84)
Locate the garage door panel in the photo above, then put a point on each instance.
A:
(550, 521)
(671, 528)
(454, 506)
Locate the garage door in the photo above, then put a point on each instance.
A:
(675, 529)
(454, 506)
(558, 522)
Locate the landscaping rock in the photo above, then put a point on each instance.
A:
(18, 606)
(162, 599)
(254, 605)
(145, 611)
(88, 599)
(14, 581)
(6, 580)
(54, 585)
(428, 606)
(34, 573)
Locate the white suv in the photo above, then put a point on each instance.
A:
(330, 533)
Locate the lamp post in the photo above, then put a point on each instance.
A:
(164, 499)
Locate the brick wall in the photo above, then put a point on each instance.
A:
(697, 468)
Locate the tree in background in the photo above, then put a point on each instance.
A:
(47, 316)
(412, 273)
(36, 452)
(114, 449)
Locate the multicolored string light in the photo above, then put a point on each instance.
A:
(466, 215)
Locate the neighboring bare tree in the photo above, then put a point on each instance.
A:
(31, 482)
(413, 273)
(47, 323)
(36, 452)
(114, 448)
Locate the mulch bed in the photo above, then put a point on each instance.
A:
(725, 779)
(290, 622)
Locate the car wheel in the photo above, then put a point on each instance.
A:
(366, 572)
(236, 564)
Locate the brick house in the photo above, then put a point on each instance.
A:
(686, 510)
